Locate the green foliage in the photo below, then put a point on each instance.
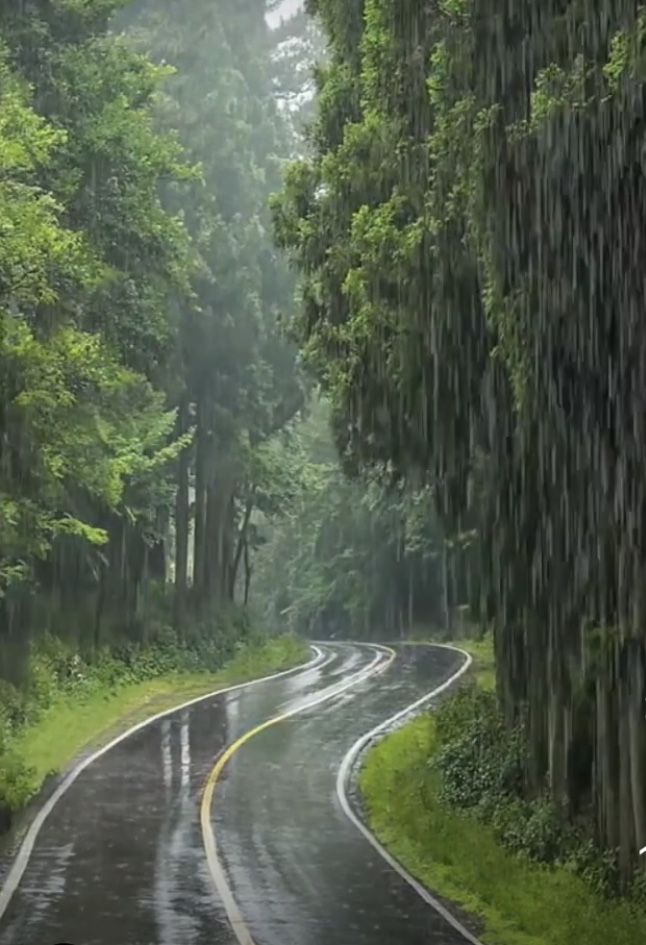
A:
(351, 558)
(535, 830)
(82, 220)
(140, 301)
(59, 676)
(472, 299)
(481, 765)
(140, 348)
(478, 758)
(518, 901)
(237, 381)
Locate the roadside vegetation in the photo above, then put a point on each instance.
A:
(146, 388)
(362, 559)
(446, 795)
(483, 669)
(473, 305)
(383, 373)
(68, 704)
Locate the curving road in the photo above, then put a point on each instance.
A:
(122, 858)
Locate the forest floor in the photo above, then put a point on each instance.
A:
(518, 902)
(71, 728)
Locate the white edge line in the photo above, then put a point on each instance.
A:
(372, 669)
(21, 858)
(343, 778)
(234, 914)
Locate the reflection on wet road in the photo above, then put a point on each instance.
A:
(120, 860)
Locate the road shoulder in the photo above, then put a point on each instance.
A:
(514, 901)
(74, 729)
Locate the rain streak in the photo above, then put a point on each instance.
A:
(323, 472)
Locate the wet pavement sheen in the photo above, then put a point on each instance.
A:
(120, 860)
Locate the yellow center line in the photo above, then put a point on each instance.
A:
(240, 928)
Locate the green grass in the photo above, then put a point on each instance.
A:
(518, 902)
(70, 725)
(484, 666)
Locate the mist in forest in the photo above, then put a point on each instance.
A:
(283, 10)
(327, 318)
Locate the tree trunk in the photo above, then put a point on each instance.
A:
(242, 543)
(201, 463)
(226, 548)
(181, 523)
(607, 761)
(446, 581)
(559, 717)
(100, 604)
(219, 518)
(247, 573)
(156, 562)
(637, 727)
(410, 599)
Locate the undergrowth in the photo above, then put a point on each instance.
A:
(481, 765)
(447, 795)
(68, 690)
(493, 866)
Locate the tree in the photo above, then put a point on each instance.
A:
(471, 298)
(353, 558)
(91, 268)
(239, 382)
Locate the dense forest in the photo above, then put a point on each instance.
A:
(142, 371)
(361, 558)
(152, 404)
(335, 324)
(468, 234)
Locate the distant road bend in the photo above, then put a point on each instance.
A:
(226, 821)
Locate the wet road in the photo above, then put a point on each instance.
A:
(121, 858)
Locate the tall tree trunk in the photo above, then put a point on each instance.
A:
(607, 759)
(247, 573)
(410, 599)
(219, 519)
(212, 562)
(181, 523)
(100, 605)
(637, 725)
(446, 581)
(201, 477)
(242, 543)
(627, 839)
(156, 562)
(226, 548)
(559, 716)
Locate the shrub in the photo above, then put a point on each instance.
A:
(16, 784)
(600, 868)
(12, 708)
(478, 758)
(638, 889)
(54, 668)
(480, 764)
(532, 828)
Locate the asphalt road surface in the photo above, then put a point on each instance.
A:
(121, 859)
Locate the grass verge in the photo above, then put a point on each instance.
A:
(519, 903)
(484, 666)
(71, 726)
